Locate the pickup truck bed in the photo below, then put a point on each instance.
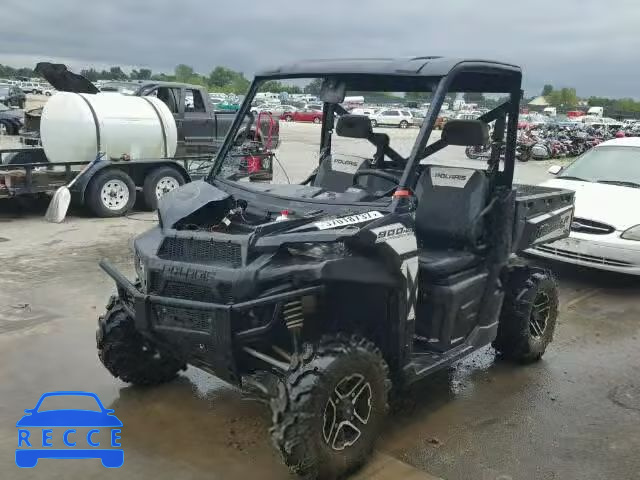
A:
(543, 214)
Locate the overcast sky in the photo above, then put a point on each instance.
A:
(593, 45)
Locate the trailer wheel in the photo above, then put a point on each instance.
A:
(330, 406)
(158, 183)
(111, 193)
(529, 314)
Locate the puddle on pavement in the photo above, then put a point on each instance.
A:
(17, 318)
(213, 427)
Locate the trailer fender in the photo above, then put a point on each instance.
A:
(137, 170)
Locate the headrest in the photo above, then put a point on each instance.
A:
(354, 126)
(465, 132)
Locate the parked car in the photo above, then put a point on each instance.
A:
(11, 120)
(467, 116)
(278, 110)
(307, 114)
(11, 95)
(363, 111)
(605, 231)
(397, 118)
(31, 87)
(418, 117)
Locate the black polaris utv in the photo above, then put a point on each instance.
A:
(360, 263)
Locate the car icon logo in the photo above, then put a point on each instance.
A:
(39, 428)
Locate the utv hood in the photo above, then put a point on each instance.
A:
(199, 203)
(63, 80)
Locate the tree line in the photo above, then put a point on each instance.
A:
(220, 79)
(567, 98)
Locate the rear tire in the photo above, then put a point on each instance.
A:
(111, 193)
(158, 183)
(529, 314)
(127, 354)
(404, 124)
(342, 379)
(316, 120)
(374, 123)
(288, 118)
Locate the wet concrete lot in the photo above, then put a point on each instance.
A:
(575, 415)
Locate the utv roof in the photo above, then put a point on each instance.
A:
(423, 66)
(407, 74)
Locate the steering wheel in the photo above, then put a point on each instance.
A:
(380, 174)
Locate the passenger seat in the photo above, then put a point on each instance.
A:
(448, 219)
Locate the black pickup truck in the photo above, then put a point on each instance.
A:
(201, 129)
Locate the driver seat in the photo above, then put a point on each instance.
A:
(337, 174)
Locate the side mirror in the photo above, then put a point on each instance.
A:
(554, 169)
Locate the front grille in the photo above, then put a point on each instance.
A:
(581, 256)
(199, 250)
(190, 319)
(220, 292)
(583, 225)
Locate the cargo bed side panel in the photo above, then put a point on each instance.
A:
(543, 215)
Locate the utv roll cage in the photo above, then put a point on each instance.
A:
(418, 74)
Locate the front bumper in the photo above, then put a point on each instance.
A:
(205, 336)
(604, 252)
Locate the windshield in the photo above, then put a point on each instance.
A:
(275, 147)
(606, 164)
(282, 145)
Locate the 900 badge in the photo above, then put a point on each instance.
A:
(389, 232)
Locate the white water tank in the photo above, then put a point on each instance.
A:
(76, 126)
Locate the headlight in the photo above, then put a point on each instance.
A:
(318, 251)
(632, 233)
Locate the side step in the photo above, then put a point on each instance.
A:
(424, 362)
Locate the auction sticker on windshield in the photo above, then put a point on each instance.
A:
(349, 220)
(92, 431)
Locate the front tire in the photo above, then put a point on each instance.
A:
(316, 120)
(404, 124)
(374, 123)
(158, 183)
(329, 408)
(529, 314)
(127, 354)
(111, 193)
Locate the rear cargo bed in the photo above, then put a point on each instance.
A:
(543, 214)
